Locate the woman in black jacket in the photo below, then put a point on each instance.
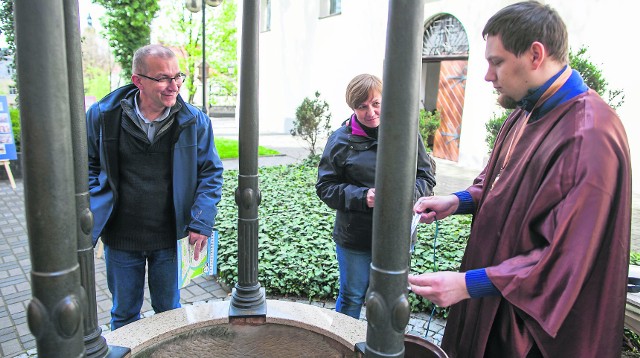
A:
(346, 178)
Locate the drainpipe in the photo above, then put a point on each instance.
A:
(55, 312)
(95, 344)
(387, 299)
(248, 298)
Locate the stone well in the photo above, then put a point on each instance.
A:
(289, 329)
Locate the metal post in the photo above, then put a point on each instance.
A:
(95, 344)
(248, 297)
(55, 312)
(387, 299)
(205, 108)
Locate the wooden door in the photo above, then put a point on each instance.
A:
(453, 77)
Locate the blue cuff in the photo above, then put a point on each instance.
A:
(479, 284)
(466, 205)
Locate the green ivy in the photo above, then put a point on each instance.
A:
(296, 255)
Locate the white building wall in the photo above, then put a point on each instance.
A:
(303, 54)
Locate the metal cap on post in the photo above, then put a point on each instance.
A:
(248, 298)
(387, 300)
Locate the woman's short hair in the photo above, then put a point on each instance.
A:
(360, 87)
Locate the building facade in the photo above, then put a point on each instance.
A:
(319, 45)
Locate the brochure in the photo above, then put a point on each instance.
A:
(207, 263)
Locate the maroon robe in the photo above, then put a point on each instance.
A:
(554, 236)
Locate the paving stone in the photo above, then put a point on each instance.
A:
(22, 329)
(25, 286)
(7, 331)
(17, 297)
(16, 308)
(11, 347)
(8, 290)
(5, 322)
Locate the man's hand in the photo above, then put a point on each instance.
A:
(199, 241)
(436, 207)
(442, 288)
(371, 197)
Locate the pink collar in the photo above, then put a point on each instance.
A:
(356, 129)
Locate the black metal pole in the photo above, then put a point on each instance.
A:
(248, 297)
(205, 108)
(388, 306)
(95, 344)
(55, 311)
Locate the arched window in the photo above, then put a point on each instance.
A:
(444, 36)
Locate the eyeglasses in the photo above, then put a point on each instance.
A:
(179, 78)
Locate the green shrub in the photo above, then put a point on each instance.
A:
(14, 113)
(493, 127)
(592, 76)
(296, 252)
(312, 121)
(428, 125)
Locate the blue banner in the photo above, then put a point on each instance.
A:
(7, 143)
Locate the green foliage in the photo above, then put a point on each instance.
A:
(631, 344)
(296, 252)
(14, 113)
(312, 121)
(428, 125)
(222, 54)
(221, 44)
(127, 24)
(493, 127)
(188, 29)
(96, 82)
(7, 29)
(450, 242)
(592, 77)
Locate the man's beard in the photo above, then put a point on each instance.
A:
(507, 102)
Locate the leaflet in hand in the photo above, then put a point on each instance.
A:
(414, 226)
(207, 263)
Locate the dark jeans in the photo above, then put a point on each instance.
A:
(354, 269)
(125, 278)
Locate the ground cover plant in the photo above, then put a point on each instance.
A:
(296, 253)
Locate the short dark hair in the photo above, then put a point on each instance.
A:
(520, 24)
(360, 87)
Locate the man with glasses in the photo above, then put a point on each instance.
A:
(154, 177)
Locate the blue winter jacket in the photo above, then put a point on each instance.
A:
(197, 168)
